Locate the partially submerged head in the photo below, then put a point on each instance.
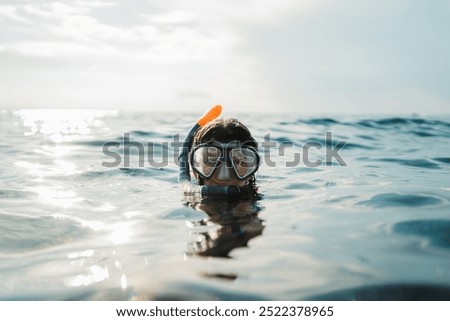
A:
(224, 153)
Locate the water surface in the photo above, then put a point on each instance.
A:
(72, 229)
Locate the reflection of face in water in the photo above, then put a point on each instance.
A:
(230, 224)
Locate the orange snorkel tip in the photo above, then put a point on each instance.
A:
(210, 115)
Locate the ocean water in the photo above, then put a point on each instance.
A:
(373, 224)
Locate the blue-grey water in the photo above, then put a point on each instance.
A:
(74, 229)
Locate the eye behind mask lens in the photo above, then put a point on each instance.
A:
(206, 159)
(245, 161)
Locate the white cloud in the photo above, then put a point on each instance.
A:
(174, 17)
(10, 12)
(243, 53)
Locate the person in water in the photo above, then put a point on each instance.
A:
(224, 153)
(223, 157)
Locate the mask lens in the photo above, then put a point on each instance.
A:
(245, 161)
(205, 159)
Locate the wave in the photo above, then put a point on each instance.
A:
(395, 121)
(420, 127)
(424, 163)
(388, 292)
(445, 160)
(404, 200)
(22, 234)
(316, 121)
(436, 231)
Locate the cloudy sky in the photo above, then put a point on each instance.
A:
(321, 56)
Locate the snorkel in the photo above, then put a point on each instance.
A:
(184, 177)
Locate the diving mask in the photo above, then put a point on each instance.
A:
(206, 158)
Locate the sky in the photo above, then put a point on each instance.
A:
(307, 56)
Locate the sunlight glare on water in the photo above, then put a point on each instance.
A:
(61, 124)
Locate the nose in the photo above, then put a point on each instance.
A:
(224, 173)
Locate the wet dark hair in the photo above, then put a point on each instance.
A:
(225, 131)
